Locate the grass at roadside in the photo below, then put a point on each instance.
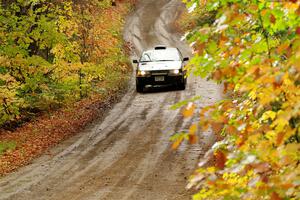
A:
(19, 147)
(7, 146)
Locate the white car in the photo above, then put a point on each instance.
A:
(161, 66)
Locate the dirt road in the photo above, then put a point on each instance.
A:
(126, 154)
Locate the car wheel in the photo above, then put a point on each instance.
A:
(139, 87)
(182, 84)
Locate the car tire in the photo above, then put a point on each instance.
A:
(139, 87)
(182, 84)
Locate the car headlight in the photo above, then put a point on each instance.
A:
(142, 73)
(175, 71)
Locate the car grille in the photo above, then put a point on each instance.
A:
(160, 72)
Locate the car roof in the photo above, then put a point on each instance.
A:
(161, 48)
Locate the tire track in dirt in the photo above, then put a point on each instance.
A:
(132, 151)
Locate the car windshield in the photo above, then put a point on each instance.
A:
(160, 55)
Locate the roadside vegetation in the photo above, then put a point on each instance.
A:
(252, 48)
(61, 62)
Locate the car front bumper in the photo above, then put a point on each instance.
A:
(160, 79)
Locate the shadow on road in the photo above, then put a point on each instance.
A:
(160, 89)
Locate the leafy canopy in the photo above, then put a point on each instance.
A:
(253, 49)
(54, 53)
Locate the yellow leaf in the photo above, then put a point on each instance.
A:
(270, 135)
(268, 115)
(193, 129)
(235, 51)
(279, 124)
(176, 144)
(211, 169)
(293, 147)
(266, 96)
(252, 94)
(189, 110)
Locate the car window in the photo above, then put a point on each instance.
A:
(160, 55)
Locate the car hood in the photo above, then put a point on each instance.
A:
(162, 65)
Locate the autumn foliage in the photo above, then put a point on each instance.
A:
(54, 53)
(253, 49)
(61, 64)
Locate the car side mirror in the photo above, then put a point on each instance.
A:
(186, 59)
(135, 61)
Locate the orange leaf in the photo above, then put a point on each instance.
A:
(189, 110)
(223, 40)
(199, 48)
(275, 196)
(272, 19)
(204, 125)
(176, 144)
(287, 186)
(279, 138)
(217, 127)
(264, 12)
(217, 75)
(220, 159)
(298, 30)
(282, 48)
(193, 139)
(231, 129)
(261, 167)
(241, 140)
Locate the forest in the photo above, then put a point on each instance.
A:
(54, 53)
(61, 64)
